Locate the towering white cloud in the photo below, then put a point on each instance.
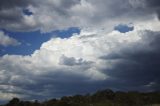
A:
(90, 58)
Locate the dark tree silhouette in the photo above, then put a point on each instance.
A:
(100, 98)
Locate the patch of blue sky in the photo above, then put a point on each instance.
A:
(31, 41)
(123, 28)
(27, 12)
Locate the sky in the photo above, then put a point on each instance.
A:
(55, 48)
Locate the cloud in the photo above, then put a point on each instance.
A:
(51, 15)
(147, 6)
(71, 61)
(155, 5)
(11, 15)
(5, 40)
(84, 63)
(136, 65)
(98, 57)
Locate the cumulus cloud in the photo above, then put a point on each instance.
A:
(5, 40)
(85, 62)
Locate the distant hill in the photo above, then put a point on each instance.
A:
(100, 98)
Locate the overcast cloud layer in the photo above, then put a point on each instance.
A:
(99, 57)
(49, 15)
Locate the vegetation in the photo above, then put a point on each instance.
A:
(100, 98)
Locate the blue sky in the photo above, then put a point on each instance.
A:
(123, 28)
(27, 12)
(31, 41)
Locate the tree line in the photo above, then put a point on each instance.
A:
(100, 98)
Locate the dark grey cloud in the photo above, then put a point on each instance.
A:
(153, 5)
(51, 15)
(13, 3)
(138, 64)
(11, 14)
(71, 61)
(13, 18)
(48, 85)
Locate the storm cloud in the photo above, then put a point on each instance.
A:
(153, 5)
(51, 15)
(137, 65)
